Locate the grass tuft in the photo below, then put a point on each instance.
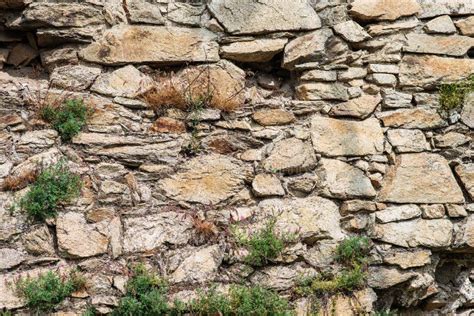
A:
(451, 95)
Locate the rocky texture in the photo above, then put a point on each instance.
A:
(249, 17)
(420, 178)
(267, 185)
(152, 44)
(126, 82)
(422, 118)
(351, 32)
(74, 77)
(261, 50)
(406, 140)
(346, 138)
(441, 45)
(467, 114)
(368, 10)
(290, 156)
(360, 107)
(466, 174)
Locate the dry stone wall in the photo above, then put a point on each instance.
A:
(339, 133)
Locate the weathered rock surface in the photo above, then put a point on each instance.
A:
(267, 185)
(431, 8)
(360, 107)
(126, 82)
(201, 266)
(398, 213)
(467, 114)
(453, 45)
(441, 25)
(62, 14)
(346, 138)
(39, 241)
(273, 117)
(408, 259)
(341, 180)
(369, 10)
(465, 173)
(420, 178)
(290, 156)
(74, 77)
(206, 179)
(141, 11)
(351, 32)
(466, 26)
(385, 277)
(152, 44)
(250, 17)
(417, 118)
(280, 278)
(10, 258)
(322, 91)
(407, 140)
(426, 71)
(260, 50)
(418, 232)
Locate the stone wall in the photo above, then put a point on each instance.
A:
(339, 133)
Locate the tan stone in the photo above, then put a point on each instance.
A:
(208, 179)
(385, 277)
(417, 118)
(199, 267)
(465, 172)
(370, 10)
(431, 8)
(10, 258)
(360, 107)
(467, 114)
(417, 232)
(346, 138)
(259, 50)
(257, 17)
(397, 213)
(408, 259)
(316, 91)
(267, 185)
(152, 44)
(63, 14)
(126, 82)
(466, 26)
(407, 140)
(168, 125)
(452, 45)
(290, 156)
(273, 117)
(420, 178)
(428, 71)
(39, 241)
(358, 303)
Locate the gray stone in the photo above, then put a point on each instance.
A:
(408, 259)
(346, 138)
(39, 241)
(360, 107)
(267, 185)
(62, 14)
(467, 114)
(420, 178)
(290, 156)
(465, 173)
(384, 68)
(416, 118)
(455, 210)
(322, 91)
(383, 79)
(451, 140)
(141, 11)
(126, 82)
(441, 25)
(370, 10)
(184, 13)
(259, 50)
(208, 179)
(395, 99)
(10, 258)
(74, 77)
(200, 266)
(385, 277)
(281, 278)
(159, 44)
(250, 17)
(319, 75)
(398, 213)
(341, 180)
(351, 32)
(432, 8)
(407, 140)
(352, 73)
(453, 45)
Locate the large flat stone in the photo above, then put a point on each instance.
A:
(259, 50)
(420, 178)
(124, 82)
(124, 44)
(62, 14)
(465, 172)
(428, 71)
(257, 17)
(377, 10)
(334, 137)
(316, 91)
(414, 233)
(453, 45)
(360, 107)
(432, 8)
(208, 179)
(416, 118)
(290, 156)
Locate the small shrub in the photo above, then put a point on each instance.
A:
(211, 303)
(263, 245)
(45, 292)
(452, 94)
(68, 118)
(90, 311)
(55, 185)
(353, 250)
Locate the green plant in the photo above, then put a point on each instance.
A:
(90, 311)
(451, 95)
(146, 295)
(54, 185)
(44, 293)
(353, 250)
(385, 312)
(68, 118)
(210, 302)
(263, 246)
(5, 313)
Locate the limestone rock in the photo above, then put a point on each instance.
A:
(455, 210)
(465, 172)
(14, 4)
(280, 277)
(78, 239)
(414, 233)
(62, 14)
(267, 185)
(184, 13)
(310, 218)
(351, 32)
(152, 44)
(467, 114)
(307, 48)
(322, 91)
(420, 178)
(358, 303)
(465, 234)
(52, 36)
(452, 45)
(290, 156)
(428, 71)
(370, 10)
(39, 241)
(386, 277)
(319, 75)
(273, 117)
(346, 138)
(341, 180)
(360, 107)
(451, 139)
(441, 25)
(388, 80)
(126, 82)
(250, 17)
(408, 259)
(21, 55)
(416, 118)
(407, 140)
(259, 50)
(466, 26)
(201, 266)
(398, 213)
(206, 179)
(147, 233)
(10, 258)
(431, 8)
(141, 11)
(74, 77)
(168, 125)
(395, 99)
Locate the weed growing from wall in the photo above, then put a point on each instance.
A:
(452, 95)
